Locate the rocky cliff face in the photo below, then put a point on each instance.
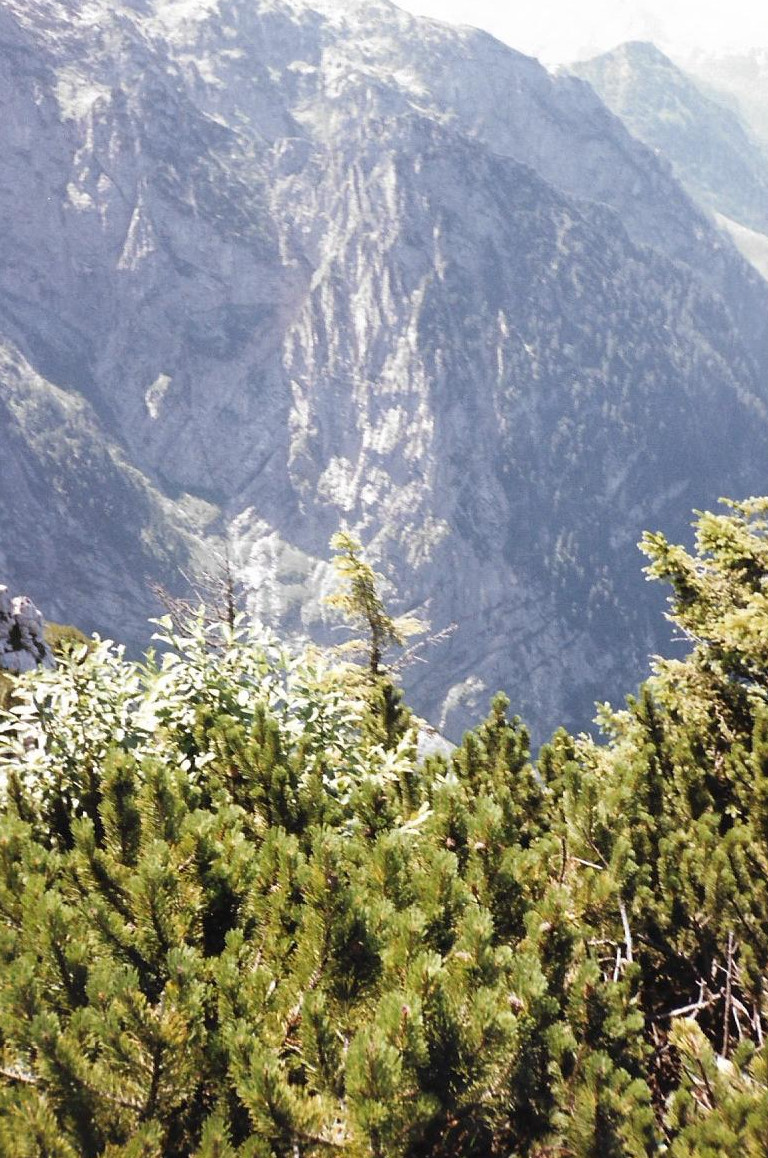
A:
(82, 529)
(284, 264)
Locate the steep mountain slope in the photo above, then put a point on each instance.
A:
(82, 529)
(320, 262)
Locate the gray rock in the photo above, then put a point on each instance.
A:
(271, 265)
(22, 640)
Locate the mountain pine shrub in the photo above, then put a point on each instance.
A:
(238, 917)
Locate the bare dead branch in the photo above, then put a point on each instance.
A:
(627, 932)
(728, 997)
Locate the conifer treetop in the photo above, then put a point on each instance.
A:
(360, 602)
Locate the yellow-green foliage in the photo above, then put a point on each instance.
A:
(6, 689)
(360, 601)
(62, 638)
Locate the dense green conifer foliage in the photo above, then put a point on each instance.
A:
(239, 917)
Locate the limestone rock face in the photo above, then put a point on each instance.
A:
(22, 643)
(274, 265)
(80, 525)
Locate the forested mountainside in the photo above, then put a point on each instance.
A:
(287, 265)
(240, 917)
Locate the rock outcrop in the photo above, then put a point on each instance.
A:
(22, 640)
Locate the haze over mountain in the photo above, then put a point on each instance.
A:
(712, 149)
(278, 265)
(558, 31)
(708, 143)
(740, 76)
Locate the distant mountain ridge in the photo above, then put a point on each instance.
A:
(299, 264)
(713, 151)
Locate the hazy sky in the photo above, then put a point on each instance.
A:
(563, 30)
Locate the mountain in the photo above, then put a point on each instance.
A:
(712, 151)
(81, 526)
(290, 264)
